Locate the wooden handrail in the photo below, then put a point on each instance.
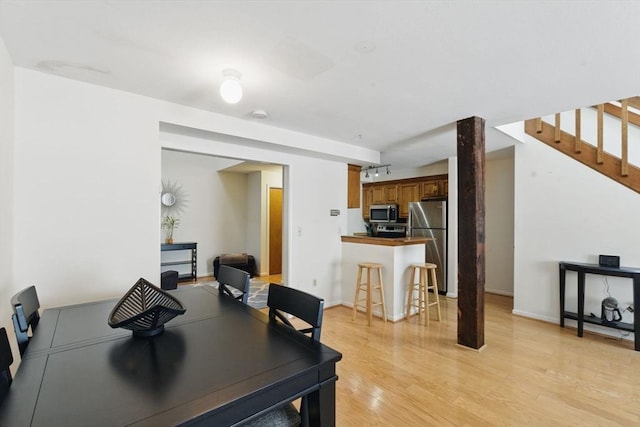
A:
(614, 110)
(617, 168)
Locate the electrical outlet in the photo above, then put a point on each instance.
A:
(315, 282)
(629, 308)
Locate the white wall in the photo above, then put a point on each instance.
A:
(87, 175)
(312, 187)
(565, 211)
(254, 214)
(499, 225)
(7, 109)
(216, 214)
(87, 181)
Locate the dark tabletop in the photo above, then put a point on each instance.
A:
(220, 353)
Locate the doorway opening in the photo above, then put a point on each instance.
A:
(275, 231)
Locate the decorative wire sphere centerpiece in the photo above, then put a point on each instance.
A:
(144, 309)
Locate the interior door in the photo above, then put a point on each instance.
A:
(275, 231)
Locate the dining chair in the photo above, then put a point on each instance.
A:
(283, 301)
(25, 314)
(231, 280)
(6, 359)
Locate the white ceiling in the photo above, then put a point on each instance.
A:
(393, 76)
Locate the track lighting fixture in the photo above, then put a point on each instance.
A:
(377, 168)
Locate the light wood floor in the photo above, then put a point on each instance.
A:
(530, 373)
(276, 278)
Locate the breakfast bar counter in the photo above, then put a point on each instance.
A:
(395, 254)
(385, 241)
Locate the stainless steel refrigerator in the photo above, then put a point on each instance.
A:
(429, 219)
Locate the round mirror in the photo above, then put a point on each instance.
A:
(168, 199)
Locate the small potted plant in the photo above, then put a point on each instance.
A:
(168, 224)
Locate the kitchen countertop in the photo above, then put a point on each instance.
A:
(384, 241)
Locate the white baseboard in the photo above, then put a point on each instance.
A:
(547, 319)
(376, 312)
(499, 292)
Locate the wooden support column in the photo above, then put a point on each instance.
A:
(471, 262)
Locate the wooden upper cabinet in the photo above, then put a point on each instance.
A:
(409, 192)
(379, 194)
(391, 192)
(402, 192)
(367, 198)
(353, 187)
(429, 188)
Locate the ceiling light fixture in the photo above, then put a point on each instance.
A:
(366, 169)
(231, 89)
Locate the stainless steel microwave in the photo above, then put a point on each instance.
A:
(383, 213)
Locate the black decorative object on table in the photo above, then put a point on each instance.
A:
(144, 309)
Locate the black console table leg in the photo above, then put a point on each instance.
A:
(581, 276)
(563, 275)
(636, 311)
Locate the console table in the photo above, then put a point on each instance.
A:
(191, 246)
(582, 270)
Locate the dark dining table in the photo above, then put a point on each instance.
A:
(220, 363)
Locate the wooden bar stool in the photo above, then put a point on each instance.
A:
(367, 287)
(423, 287)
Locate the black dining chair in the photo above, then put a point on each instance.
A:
(6, 359)
(231, 280)
(283, 301)
(25, 314)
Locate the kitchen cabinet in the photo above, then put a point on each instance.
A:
(430, 188)
(379, 194)
(367, 199)
(409, 192)
(402, 192)
(391, 192)
(353, 186)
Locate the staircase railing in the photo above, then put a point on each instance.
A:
(609, 159)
